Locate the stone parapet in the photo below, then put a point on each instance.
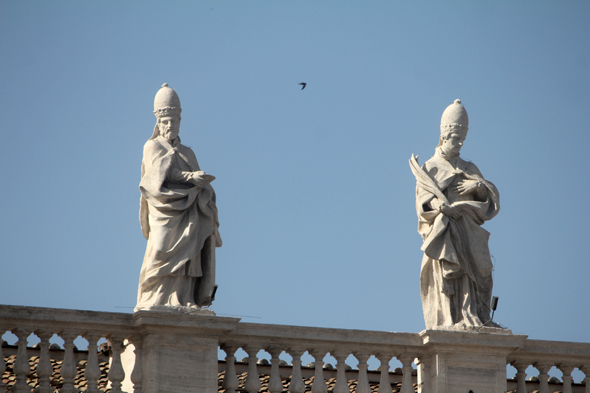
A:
(152, 351)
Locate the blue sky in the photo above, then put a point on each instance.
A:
(315, 195)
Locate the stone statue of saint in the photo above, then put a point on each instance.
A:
(178, 218)
(453, 200)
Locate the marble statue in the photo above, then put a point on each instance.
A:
(178, 218)
(453, 200)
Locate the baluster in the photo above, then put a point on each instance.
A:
(424, 380)
(543, 376)
(341, 385)
(92, 371)
(296, 385)
(384, 382)
(2, 363)
(253, 384)
(319, 383)
(116, 371)
(275, 384)
(68, 369)
(520, 376)
(21, 364)
(567, 377)
(44, 367)
(407, 386)
(363, 382)
(230, 382)
(586, 370)
(137, 372)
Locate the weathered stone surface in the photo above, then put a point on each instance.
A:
(178, 218)
(463, 361)
(453, 200)
(450, 360)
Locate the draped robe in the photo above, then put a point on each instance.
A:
(179, 220)
(456, 272)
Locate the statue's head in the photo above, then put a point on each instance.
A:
(167, 110)
(169, 127)
(453, 128)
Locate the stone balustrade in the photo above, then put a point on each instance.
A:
(69, 325)
(153, 352)
(318, 342)
(543, 355)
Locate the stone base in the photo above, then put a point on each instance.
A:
(476, 329)
(174, 364)
(176, 351)
(178, 309)
(460, 361)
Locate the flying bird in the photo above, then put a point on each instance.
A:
(303, 84)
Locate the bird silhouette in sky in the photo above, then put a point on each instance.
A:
(303, 84)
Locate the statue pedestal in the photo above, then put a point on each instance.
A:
(176, 352)
(460, 361)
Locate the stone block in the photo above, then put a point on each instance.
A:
(178, 352)
(463, 361)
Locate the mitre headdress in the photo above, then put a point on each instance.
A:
(455, 119)
(166, 102)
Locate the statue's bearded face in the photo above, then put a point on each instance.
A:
(452, 144)
(169, 127)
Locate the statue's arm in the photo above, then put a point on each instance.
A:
(430, 207)
(160, 159)
(475, 184)
(198, 178)
(427, 204)
(434, 204)
(476, 187)
(177, 176)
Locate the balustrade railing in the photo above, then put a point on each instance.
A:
(274, 341)
(68, 325)
(319, 342)
(543, 355)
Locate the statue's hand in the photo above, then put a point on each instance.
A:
(468, 186)
(201, 179)
(450, 211)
